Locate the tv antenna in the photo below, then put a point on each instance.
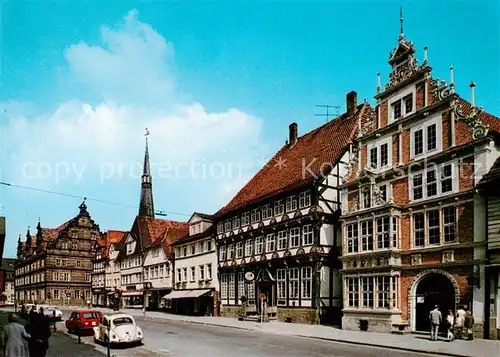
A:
(160, 213)
(331, 110)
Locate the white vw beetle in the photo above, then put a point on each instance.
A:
(118, 328)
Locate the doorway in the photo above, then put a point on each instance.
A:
(266, 288)
(434, 289)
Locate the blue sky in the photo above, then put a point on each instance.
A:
(216, 83)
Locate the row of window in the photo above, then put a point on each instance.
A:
(31, 267)
(435, 227)
(79, 263)
(292, 238)
(371, 292)
(156, 272)
(290, 204)
(194, 248)
(202, 272)
(228, 287)
(373, 234)
(132, 278)
(113, 282)
(55, 294)
(131, 262)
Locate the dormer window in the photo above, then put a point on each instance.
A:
(130, 248)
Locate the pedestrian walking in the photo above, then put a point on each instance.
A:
(15, 344)
(468, 324)
(450, 319)
(435, 319)
(459, 323)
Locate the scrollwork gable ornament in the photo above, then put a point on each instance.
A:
(477, 128)
(440, 89)
(350, 165)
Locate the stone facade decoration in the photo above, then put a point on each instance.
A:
(409, 198)
(54, 266)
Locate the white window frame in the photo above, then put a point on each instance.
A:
(223, 286)
(399, 97)
(439, 181)
(279, 208)
(282, 238)
(281, 285)
(378, 144)
(438, 121)
(231, 286)
(270, 243)
(307, 235)
(259, 245)
(294, 237)
(249, 248)
(305, 199)
(236, 222)
(291, 204)
(294, 281)
(306, 279)
(267, 212)
(239, 250)
(245, 219)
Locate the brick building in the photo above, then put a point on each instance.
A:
(410, 239)
(279, 236)
(55, 265)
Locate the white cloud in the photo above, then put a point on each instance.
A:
(131, 69)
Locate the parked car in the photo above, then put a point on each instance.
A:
(49, 312)
(81, 320)
(122, 330)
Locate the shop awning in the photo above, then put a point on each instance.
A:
(177, 294)
(198, 293)
(132, 293)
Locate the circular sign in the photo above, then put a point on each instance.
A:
(249, 276)
(68, 295)
(262, 297)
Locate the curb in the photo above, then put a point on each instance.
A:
(367, 344)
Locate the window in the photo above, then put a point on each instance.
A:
(383, 291)
(222, 254)
(251, 292)
(55, 294)
(184, 274)
(402, 107)
(279, 208)
(366, 195)
(241, 285)
(179, 275)
(291, 203)
(202, 247)
(87, 278)
(281, 283)
(282, 240)
(248, 248)
(239, 250)
(418, 230)
(446, 178)
(227, 225)
(223, 286)
(267, 212)
(383, 239)
(366, 235)
(236, 222)
(64, 245)
(434, 227)
(193, 249)
(306, 282)
(367, 291)
(184, 251)
(255, 216)
(231, 286)
(304, 199)
(449, 224)
(382, 189)
(293, 283)
(209, 271)
(245, 219)
(259, 245)
(209, 245)
(418, 192)
(220, 228)
(230, 252)
(373, 158)
(431, 184)
(384, 155)
(294, 237)
(425, 138)
(202, 272)
(271, 243)
(307, 235)
(352, 238)
(352, 292)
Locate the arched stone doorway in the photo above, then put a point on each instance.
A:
(433, 288)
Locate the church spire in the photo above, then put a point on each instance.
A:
(146, 207)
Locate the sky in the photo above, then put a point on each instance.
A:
(215, 83)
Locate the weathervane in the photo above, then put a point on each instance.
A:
(401, 35)
(147, 132)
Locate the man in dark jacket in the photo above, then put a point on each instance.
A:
(39, 330)
(468, 324)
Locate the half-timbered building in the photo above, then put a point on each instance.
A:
(278, 238)
(55, 265)
(410, 237)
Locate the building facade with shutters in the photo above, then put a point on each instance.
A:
(413, 235)
(54, 266)
(279, 238)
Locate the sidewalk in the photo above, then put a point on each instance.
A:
(410, 342)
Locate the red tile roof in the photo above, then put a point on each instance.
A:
(316, 150)
(172, 235)
(109, 238)
(487, 118)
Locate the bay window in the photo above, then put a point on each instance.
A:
(352, 238)
(382, 226)
(352, 292)
(366, 235)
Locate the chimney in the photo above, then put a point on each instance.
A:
(293, 129)
(352, 101)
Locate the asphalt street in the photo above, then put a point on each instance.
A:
(180, 339)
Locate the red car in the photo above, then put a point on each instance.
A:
(81, 320)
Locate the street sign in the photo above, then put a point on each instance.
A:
(68, 295)
(249, 276)
(262, 297)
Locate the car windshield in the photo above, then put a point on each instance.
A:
(91, 315)
(122, 321)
